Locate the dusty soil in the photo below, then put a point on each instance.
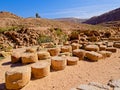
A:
(83, 73)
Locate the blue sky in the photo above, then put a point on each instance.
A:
(59, 8)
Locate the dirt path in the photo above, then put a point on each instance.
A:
(83, 73)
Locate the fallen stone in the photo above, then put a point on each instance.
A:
(102, 47)
(105, 53)
(18, 77)
(92, 48)
(72, 60)
(66, 49)
(58, 63)
(40, 69)
(93, 56)
(29, 58)
(116, 44)
(54, 51)
(15, 57)
(111, 49)
(75, 46)
(79, 53)
(43, 55)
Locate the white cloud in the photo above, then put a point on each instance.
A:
(83, 12)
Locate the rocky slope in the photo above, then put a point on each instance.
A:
(113, 15)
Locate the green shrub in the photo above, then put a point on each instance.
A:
(44, 39)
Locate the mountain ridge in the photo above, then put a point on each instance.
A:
(113, 15)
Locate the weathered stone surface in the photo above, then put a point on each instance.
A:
(54, 51)
(40, 69)
(102, 47)
(72, 60)
(87, 87)
(105, 53)
(99, 85)
(111, 49)
(93, 56)
(116, 44)
(58, 63)
(79, 53)
(92, 48)
(43, 55)
(15, 57)
(75, 46)
(17, 78)
(29, 58)
(66, 49)
(114, 83)
(92, 87)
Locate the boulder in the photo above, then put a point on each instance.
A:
(58, 63)
(29, 58)
(40, 69)
(17, 77)
(72, 60)
(92, 48)
(93, 56)
(15, 57)
(66, 49)
(79, 53)
(111, 49)
(54, 51)
(43, 55)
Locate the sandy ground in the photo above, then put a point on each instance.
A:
(83, 73)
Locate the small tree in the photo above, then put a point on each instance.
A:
(37, 15)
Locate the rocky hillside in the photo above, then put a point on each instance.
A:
(113, 15)
(75, 20)
(16, 31)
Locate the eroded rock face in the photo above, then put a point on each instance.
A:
(17, 78)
